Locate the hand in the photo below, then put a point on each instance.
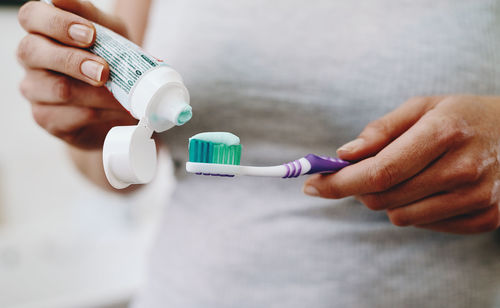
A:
(432, 163)
(64, 82)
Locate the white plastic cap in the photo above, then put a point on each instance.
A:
(129, 155)
(161, 101)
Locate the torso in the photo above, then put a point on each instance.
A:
(298, 77)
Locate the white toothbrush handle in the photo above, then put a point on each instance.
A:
(300, 166)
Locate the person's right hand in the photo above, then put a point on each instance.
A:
(64, 82)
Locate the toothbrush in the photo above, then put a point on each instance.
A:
(219, 153)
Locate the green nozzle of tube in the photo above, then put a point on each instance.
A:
(185, 115)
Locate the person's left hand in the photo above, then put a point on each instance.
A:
(432, 163)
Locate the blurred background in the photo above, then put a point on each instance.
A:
(63, 242)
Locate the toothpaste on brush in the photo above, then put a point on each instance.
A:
(152, 92)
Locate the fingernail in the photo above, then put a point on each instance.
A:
(81, 33)
(92, 69)
(311, 191)
(352, 146)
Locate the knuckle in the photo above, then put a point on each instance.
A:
(331, 191)
(379, 126)
(25, 48)
(450, 130)
(373, 202)
(467, 170)
(23, 88)
(71, 61)
(381, 177)
(51, 130)
(25, 13)
(53, 126)
(62, 88)
(398, 218)
(90, 114)
(482, 203)
(40, 117)
(417, 100)
(72, 139)
(489, 223)
(58, 23)
(454, 99)
(86, 115)
(482, 198)
(325, 185)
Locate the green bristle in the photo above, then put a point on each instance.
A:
(216, 153)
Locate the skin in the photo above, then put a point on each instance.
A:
(65, 101)
(432, 163)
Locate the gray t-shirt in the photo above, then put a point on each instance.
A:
(292, 77)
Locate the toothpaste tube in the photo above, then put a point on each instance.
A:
(147, 87)
(152, 92)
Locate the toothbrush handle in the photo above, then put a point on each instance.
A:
(306, 165)
(325, 164)
(309, 164)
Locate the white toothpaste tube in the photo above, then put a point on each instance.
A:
(152, 92)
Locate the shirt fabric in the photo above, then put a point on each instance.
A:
(292, 77)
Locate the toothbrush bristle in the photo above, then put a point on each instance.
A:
(201, 151)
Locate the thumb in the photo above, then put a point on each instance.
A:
(379, 133)
(87, 10)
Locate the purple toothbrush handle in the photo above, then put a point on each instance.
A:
(325, 164)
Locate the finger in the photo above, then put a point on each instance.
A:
(447, 173)
(442, 206)
(38, 52)
(486, 220)
(87, 10)
(60, 120)
(383, 131)
(65, 27)
(406, 156)
(53, 88)
(44, 86)
(92, 136)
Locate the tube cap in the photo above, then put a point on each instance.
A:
(169, 107)
(129, 155)
(161, 98)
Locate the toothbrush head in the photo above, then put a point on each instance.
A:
(215, 148)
